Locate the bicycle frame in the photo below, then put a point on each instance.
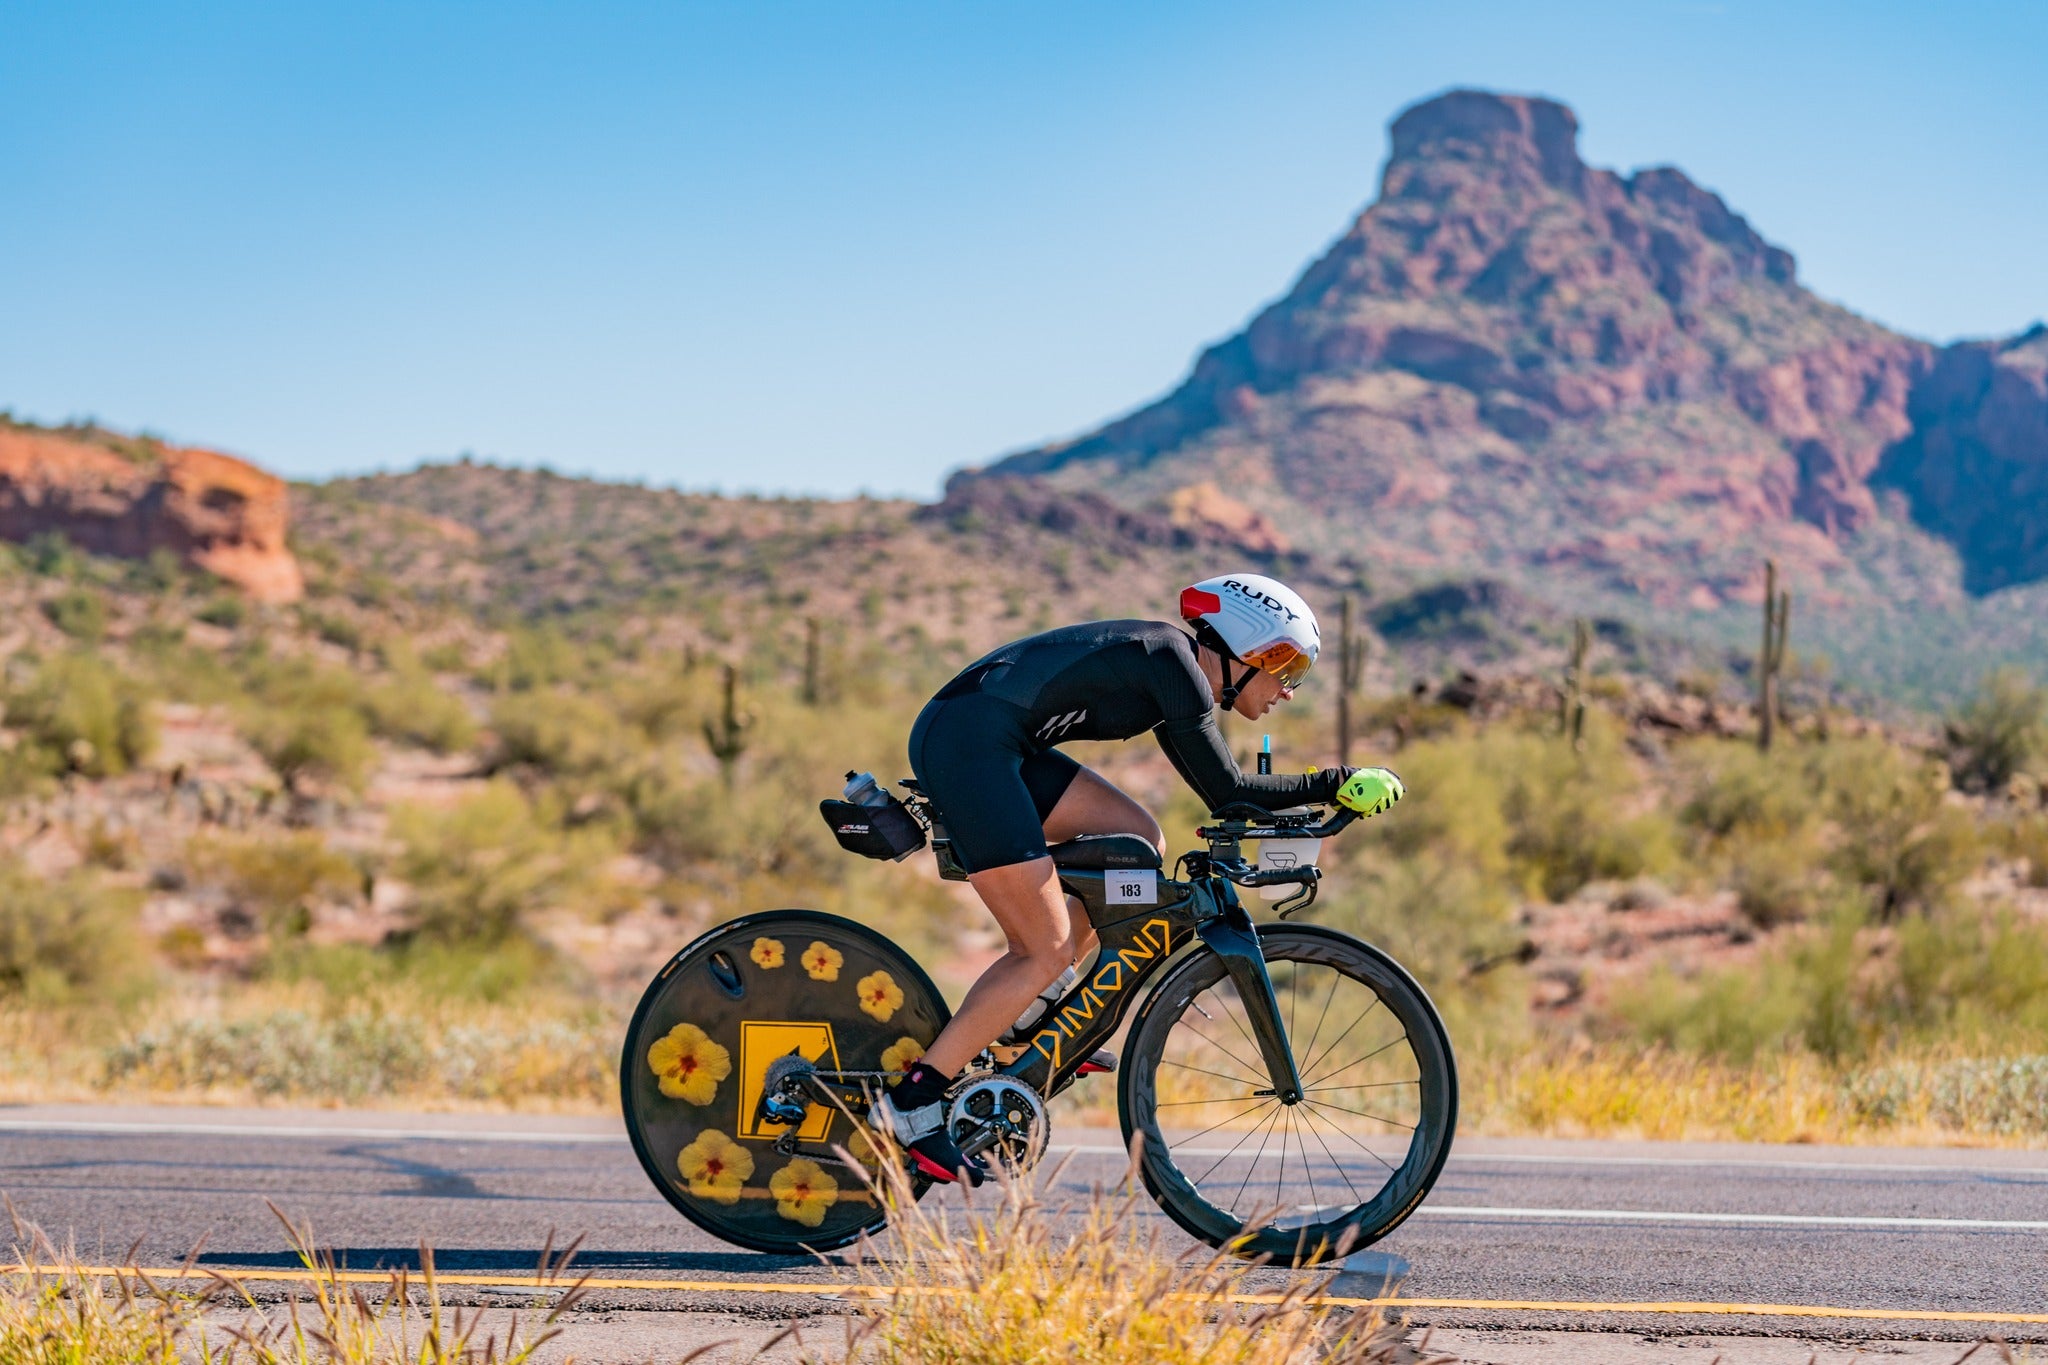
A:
(1134, 948)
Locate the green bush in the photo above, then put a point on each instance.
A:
(77, 714)
(2028, 838)
(560, 732)
(411, 705)
(79, 612)
(306, 720)
(1898, 836)
(480, 868)
(2000, 733)
(67, 938)
(277, 877)
(227, 610)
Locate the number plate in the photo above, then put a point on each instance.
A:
(1131, 886)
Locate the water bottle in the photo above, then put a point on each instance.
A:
(1287, 853)
(863, 790)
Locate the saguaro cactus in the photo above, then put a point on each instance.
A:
(1351, 651)
(812, 686)
(1777, 613)
(727, 735)
(1571, 707)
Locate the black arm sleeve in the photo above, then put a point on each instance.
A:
(1195, 747)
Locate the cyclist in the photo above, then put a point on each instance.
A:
(984, 749)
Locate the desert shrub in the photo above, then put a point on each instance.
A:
(2000, 732)
(78, 714)
(1898, 836)
(411, 705)
(358, 1052)
(1578, 817)
(480, 868)
(536, 657)
(276, 877)
(1803, 993)
(228, 610)
(1457, 812)
(1735, 790)
(512, 971)
(2027, 838)
(306, 720)
(560, 732)
(1841, 991)
(79, 612)
(1777, 879)
(66, 937)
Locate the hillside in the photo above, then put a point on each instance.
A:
(1609, 389)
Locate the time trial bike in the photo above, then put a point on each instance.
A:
(1292, 1089)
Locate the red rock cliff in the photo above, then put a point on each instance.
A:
(130, 498)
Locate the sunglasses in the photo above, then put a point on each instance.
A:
(1285, 661)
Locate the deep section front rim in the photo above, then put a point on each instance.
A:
(706, 1029)
(1233, 1165)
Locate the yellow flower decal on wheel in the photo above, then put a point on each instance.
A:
(880, 995)
(767, 953)
(803, 1192)
(689, 1063)
(899, 1055)
(823, 961)
(716, 1167)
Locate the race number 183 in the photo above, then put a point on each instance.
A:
(1131, 886)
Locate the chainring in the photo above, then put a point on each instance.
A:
(1002, 1117)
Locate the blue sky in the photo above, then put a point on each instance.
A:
(824, 247)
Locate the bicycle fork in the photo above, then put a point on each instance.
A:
(1231, 937)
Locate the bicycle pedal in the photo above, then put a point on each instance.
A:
(1101, 1063)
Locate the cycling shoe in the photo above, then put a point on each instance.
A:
(915, 1115)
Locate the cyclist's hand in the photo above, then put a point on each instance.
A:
(1370, 791)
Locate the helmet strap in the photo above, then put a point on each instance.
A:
(1231, 689)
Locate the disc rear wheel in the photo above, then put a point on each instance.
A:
(697, 1054)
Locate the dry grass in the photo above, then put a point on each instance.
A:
(1625, 1092)
(1005, 1282)
(53, 1311)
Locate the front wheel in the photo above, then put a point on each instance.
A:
(1303, 1182)
(696, 1060)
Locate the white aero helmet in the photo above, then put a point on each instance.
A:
(1258, 621)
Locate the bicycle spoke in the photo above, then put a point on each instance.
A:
(1362, 1085)
(1307, 1166)
(1240, 1080)
(1236, 1022)
(1345, 1133)
(1218, 1046)
(1256, 1104)
(1391, 1123)
(1197, 1181)
(1366, 1058)
(1342, 1174)
(1336, 978)
(1376, 1003)
(1250, 1170)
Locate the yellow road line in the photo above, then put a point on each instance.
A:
(1703, 1309)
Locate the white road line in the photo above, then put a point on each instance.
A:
(1818, 1220)
(1737, 1162)
(287, 1131)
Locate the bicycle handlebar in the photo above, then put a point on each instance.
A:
(1262, 824)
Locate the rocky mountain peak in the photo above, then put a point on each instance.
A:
(1514, 359)
(1512, 136)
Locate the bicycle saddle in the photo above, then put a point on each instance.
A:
(1100, 852)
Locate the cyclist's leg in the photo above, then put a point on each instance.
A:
(1040, 933)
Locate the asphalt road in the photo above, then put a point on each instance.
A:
(1510, 1223)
